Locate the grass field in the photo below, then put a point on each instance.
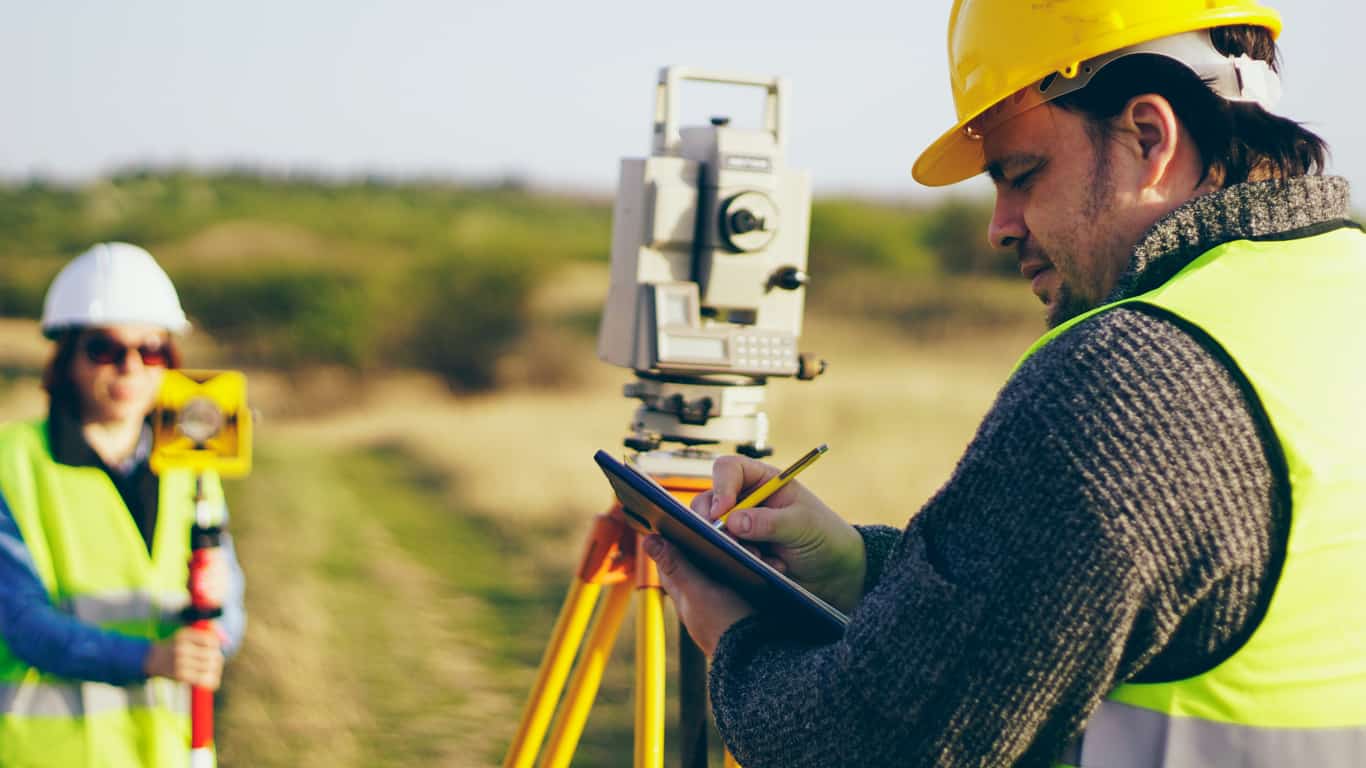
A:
(407, 549)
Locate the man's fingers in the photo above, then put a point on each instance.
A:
(778, 525)
(730, 476)
(701, 504)
(776, 564)
(673, 568)
(707, 609)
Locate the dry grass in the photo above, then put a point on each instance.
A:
(896, 413)
(360, 651)
(242, 243)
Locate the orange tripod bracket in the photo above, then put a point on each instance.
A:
(610, 555)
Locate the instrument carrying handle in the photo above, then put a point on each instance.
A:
(668, 96)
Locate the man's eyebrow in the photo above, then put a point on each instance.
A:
(996, 169)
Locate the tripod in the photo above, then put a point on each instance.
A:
(613, 559)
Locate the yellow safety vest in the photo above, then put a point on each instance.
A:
(95, 565)
(1291, 316)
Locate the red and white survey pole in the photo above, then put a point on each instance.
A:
(205, 536)
(201, 423)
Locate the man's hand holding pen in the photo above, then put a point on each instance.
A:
(796, 534)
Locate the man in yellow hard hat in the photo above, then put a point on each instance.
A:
(1153, 553)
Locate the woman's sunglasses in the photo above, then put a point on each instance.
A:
(103, 350)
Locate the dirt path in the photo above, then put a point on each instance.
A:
(366, 645)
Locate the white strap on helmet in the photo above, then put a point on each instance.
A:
(1235, 78)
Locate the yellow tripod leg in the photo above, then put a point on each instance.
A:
(604, 561)
(650, 669)
(555, 664)
(583, 686)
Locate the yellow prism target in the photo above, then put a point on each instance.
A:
(201, 422)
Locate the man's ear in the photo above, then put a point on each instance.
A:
(1152, 122)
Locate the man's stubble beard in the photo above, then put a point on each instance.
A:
(1099, 199)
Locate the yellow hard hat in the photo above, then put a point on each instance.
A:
(999, 47)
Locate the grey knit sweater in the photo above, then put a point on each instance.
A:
(1114, 519)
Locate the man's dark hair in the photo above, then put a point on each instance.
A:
(1237, 141)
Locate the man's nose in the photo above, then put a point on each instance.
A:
(1007, 226)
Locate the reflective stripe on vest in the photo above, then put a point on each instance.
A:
(1120, 735)
(1288, 317)
(76, 699)
(95, 565)
(125, 606)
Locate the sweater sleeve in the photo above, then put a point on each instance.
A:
(1113, 514)
(878, 541)
(46, 638)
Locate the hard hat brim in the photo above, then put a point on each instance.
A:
(954, 157)
(58, 327)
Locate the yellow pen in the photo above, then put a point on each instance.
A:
(761, 494)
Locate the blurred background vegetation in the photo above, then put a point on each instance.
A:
(290, 272)
(422, 357)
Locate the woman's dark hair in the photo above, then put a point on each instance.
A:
(1237, 141)
(57, 373)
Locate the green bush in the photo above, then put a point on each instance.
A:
(23, 284)
(927, 308)
(284, 316)
(957, 235)
(857, 234)
(464, 313)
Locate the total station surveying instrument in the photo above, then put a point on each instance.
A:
(201, 424)
(708, 283)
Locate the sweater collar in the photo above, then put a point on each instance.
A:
(1260, 210)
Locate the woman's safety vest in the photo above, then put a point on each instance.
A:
(1290, 316)
(95, 565)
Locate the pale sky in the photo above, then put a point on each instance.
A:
(554, 92)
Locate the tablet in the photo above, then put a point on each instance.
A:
(781, 602)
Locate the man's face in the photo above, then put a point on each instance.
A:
(1063, 204)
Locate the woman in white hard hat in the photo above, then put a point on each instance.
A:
(93, 551)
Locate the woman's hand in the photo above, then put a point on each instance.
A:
(798, 534)
(191, 655)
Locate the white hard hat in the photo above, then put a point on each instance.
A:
(112, 284)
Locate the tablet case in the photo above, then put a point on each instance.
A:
(781, 602)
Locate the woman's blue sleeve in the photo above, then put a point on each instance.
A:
(44, 637)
